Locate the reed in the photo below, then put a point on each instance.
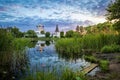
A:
(21, 43)
(73, 46)
(66, 74)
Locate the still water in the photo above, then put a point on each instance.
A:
(40, 57)
(44, 57)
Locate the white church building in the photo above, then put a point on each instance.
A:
(57, 32)
(40, 28)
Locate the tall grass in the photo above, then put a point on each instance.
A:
(98, 41)
(5, 40)
(110, 48)
(68, 47)
(21, 43)
(95, 42)
(104, 65)
(15, 60)
(65, 75)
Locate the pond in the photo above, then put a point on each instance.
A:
(42, 57)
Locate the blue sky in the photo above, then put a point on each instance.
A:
(26, 14)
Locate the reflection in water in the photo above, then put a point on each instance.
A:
(41, 44)
(48, 60)
(47, 43)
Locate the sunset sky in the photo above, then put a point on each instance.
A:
(26, 14)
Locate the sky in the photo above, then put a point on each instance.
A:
(27, 14)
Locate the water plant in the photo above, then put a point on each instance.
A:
(104, 65)
(110, 48)
(74, 46)
(21, 43)
(66, 74)
(91, 59)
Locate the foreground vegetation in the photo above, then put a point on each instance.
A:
(66, 75)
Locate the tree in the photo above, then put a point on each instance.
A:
(113, 13)
(113, 10)
(62, 34)
(15, 32)
(47, 34)
(69, 34)
(116, 26)
(42, 32)
(77, 35)
(77, 28)
(31, 34)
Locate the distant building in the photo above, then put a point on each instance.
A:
(57, 32)
(39, 30)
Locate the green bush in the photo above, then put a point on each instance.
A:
(110, 48)
(104, 65)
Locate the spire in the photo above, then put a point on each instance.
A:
(56, 30)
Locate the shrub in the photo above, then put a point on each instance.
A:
(110, 48)
(104, 65)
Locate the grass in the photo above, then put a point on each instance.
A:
(91, 59)
(41, 76)
(66, 75)
(68, 47)
(21, 43)
(104, 65)
(110, 48)
(73, 46)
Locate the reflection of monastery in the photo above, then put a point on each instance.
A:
(41, 32)
(40, 45)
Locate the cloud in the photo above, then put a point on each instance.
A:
(51, 12)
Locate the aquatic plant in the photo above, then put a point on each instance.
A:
(110, 48)
(65, 75)
(5, 40)
(74, 46)
(21, 43)
(104, 65)
(91, 59)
